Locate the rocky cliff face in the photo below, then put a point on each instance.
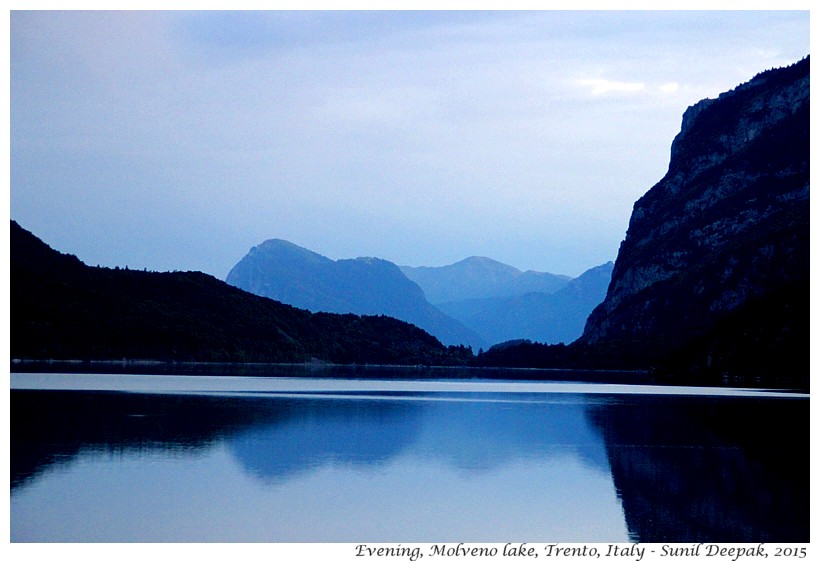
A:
(726, 229)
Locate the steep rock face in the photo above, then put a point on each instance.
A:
(299, 277)
(725, 229)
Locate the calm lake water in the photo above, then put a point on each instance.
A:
(149, 458)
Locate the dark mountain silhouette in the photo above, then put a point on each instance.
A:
(479, 278)
(63, 309)
(550, 318)
(712, 279)
(367, 286)
(717, 253)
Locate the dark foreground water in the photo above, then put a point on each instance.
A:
(123, 458)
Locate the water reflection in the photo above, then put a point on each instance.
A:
(54, 427)
(469, 435)
(726, 470)
(275, 438)
(319, 432)
(685, 469)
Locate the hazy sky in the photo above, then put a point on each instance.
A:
(178, 140)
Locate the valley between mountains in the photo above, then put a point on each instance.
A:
(477, 302)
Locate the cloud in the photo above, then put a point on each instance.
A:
(669, 87)
(600, 86)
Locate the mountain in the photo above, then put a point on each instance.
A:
(368, 286)
(711, 283)
(713, 275)
(543, 317)
(64, 309)
(478, 278)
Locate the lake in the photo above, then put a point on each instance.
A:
(163, 458)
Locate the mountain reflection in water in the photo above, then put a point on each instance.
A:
(704, 470)
(686, 469)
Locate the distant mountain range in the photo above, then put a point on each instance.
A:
(486, 302)
(364, 286)
(479, 278)
(551, 318)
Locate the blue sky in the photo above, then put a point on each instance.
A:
(178, 140)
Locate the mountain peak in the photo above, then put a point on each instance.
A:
(366, 285)
(479, 277)
(484, 262)
(281, 247)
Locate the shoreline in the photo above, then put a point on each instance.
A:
(381, 371)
